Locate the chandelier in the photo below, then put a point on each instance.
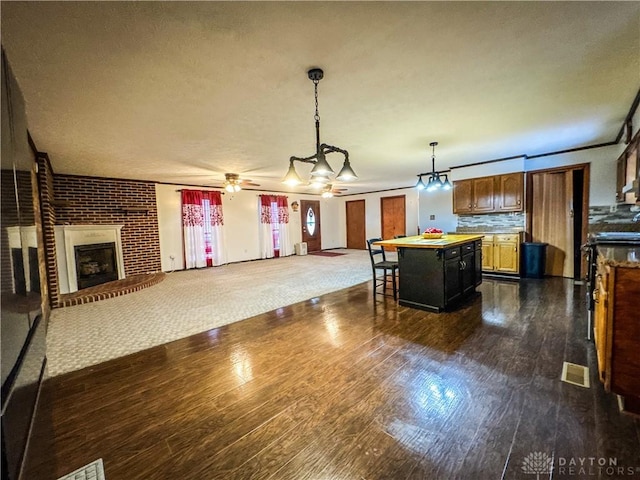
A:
(321, 172)
(435, 180)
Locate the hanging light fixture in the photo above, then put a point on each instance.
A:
(435, 180)
(232, 182)
(321, 171)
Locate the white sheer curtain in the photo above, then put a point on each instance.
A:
(202, 223)
(274, 232)
(286, 246)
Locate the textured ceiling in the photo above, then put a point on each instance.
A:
(183, 92)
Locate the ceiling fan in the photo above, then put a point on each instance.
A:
(233, 182)
(329, 191)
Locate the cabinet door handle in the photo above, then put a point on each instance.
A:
(519, 202)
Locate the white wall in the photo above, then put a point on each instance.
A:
(241, 209)
(373, 226)
(438, 204)
(240, 224)
(602, 180)
(488, 169)
(602, 169)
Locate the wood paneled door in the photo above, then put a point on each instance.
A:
(356, 231)
(559, 214)
(310, 212)
(393, 216)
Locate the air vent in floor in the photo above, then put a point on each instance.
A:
(93, 471)
(575, 374)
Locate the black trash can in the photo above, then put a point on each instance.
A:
(534, 257)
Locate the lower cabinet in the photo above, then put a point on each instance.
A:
(436, 279)
(617, 331)
(501, 253)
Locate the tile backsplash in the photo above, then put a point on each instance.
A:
(601, 218)
(496, 222)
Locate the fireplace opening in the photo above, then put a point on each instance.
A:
(95, 264)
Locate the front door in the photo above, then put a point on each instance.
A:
(356, 224)
(310, 212)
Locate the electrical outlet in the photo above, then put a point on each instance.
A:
(432, 217)
(613, 208)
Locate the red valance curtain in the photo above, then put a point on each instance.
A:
(274, 226)
(202, 222)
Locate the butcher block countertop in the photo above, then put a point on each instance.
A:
(447, 240)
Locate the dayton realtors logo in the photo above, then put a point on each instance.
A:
(539, 463)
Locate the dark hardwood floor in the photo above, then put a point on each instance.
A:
(340, 387)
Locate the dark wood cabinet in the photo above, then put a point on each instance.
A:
(478, 262)
(499, 193)
(616, 326)
(436, 279)
(628, 173)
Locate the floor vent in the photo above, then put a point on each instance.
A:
(575, 374)
(93, 471)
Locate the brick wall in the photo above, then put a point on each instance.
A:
(106, 201)
(47, 211)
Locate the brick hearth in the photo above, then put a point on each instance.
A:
(117, 288)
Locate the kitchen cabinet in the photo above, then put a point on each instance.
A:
(628, 173)
(616, 326)
(500, 193)
(437, 274)
(475, 195)
(510, 192)
(487, 253)
(501, 253)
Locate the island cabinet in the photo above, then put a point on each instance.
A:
(617, 323)
(499, 193)
(435, 279)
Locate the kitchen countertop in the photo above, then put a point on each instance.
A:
(620, 255)
(418, 242)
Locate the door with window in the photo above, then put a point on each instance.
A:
(310, 212)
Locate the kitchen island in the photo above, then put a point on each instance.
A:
(436, 274)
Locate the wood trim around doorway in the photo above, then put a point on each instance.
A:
(586, 168)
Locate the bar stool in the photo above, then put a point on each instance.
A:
(389, 268)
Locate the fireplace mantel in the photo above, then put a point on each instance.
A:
(70, 236)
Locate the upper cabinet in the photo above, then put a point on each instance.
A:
(628, 173)
(499, 193)
(510, 192)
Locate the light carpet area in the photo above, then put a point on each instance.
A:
(193, 301)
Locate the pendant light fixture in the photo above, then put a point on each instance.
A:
(321, 172)
(435, 180)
